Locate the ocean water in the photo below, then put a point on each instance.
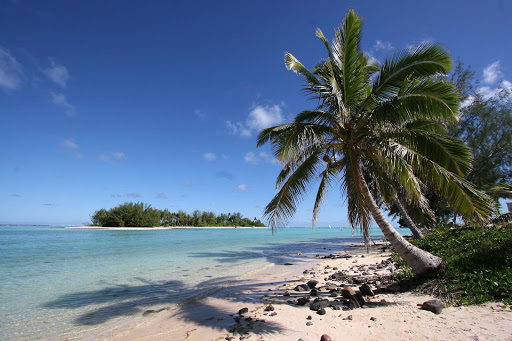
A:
(58, 284)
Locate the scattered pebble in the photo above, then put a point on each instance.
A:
(309, 323)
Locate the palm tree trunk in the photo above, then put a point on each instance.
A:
(410, 224)
(421, 262)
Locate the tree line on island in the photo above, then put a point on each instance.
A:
(139, 214)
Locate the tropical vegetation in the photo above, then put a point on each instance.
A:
(478, 263)
(379, 132)
(143, 215)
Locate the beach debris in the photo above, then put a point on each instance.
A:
(299, 253)
(366, 290)
(314, 292)
(319, 303)
(243, 311)
(312, 283)
(151, 311)
(321, 311)
(302, 301)
(434, 306)
(325, 337)
(301, 287)
(269, 308)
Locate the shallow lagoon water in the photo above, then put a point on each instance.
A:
(58, 283)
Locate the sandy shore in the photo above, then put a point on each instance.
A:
(156, 228)
(386, 316)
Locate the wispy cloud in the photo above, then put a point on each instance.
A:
(161, 196)
(10, 71)
(112, 157)
(200, 114)
(261, 157)
(492, 72)
(224, 174)
(210, 157)
(71, 145)
(127, 195)
(57, 73)
(260, 117)
(49, 204)
(186, 183)
(240, 188)
(59, 99)
(381, 45)
(15, 195)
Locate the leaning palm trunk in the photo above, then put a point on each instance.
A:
(410, 224)
(421, 262)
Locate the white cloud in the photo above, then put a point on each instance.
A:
(492, 72)
(69, 143)
(261, 157)
(111, 157)
(210, 157)
(161, 196)
(10, 70)
(60, 100)
(240, 188)
(186, 183)
(57, 73)
(382, 45)
(251, 157)
(200, 114)
(260, 117)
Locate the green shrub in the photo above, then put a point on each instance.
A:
(478, 263)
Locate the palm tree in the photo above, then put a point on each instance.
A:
(378, 127)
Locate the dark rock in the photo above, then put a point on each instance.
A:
(333, 294)
(309, 323)
(309, 317)
(302, 301)
(269, 308)
(373, 318)
(305, 272)
(243, 311)
(319, 304)
(366, 290)
(291, 302)
(349, 318)
(434, 306)
(321, 311)
(314, 292)
(273, 314)
(311, 284)
(286, 293)
(325, 337)
(335, 307)
(335, 268)
(394, 287)
(301, 287)
(348, 292)
(287, 264)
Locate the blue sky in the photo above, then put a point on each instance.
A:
(103, 102)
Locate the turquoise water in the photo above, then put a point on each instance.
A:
(58, 283)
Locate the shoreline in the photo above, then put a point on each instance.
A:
(393, 315)
(160, 228)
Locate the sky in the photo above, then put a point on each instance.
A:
(103, 102)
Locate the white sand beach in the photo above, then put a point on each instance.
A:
(385, 316)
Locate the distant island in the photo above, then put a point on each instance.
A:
(139, 214)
